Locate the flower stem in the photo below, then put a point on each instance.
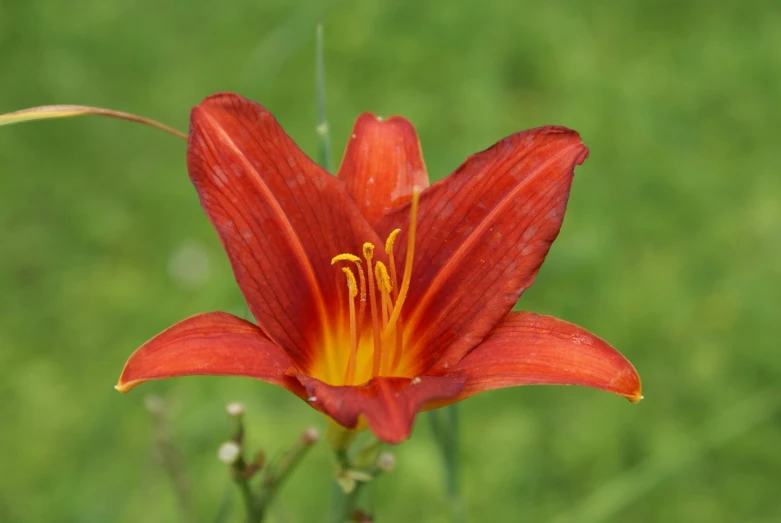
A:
(170, 457)
(273, 475)
(276, 474)
(353, 471)
(323, 132)
(253, 510)
(445, 425)
(345, 504)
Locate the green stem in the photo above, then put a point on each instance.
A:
(345, 503)
(276, 475)
(224, 509)
(445, 425)
(253, 510)
(323, 132)
(171, 459)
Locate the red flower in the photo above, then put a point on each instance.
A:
(369, 329)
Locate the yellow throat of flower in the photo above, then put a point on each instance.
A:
(386, 340)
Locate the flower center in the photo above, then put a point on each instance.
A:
(386, 335)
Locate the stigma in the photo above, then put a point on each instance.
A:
(380, 289)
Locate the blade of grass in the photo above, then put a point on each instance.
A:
(49, 112)
(445, 426)
(323, 132)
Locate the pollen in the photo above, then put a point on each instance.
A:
(383, 278)
(345, 257)
(390, 240)
(352, 285)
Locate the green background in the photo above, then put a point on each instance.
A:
(670, 249)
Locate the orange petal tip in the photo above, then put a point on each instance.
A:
(635, 398)
(127, 386)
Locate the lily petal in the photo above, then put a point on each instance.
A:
(382, 164)
(531, 349)
(280, 217)
(214, 343)
(484, 231)
(389, 405)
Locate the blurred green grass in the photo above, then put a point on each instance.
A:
(670, 248)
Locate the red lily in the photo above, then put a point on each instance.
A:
(427, 321)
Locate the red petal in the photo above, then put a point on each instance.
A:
(215, 343)
(530, 349)
(483, 233)
(382, 164)
(280, 217)
(388, 404)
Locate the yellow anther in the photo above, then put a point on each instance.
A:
(345, 257)
(368, 250)
(390, 240)
(383, 278)
(351, 283)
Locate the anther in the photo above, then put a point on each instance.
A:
(361, 280)
(345, 257)
(383, 278)
(351, 283)
(384, 284)
(392, 266)
(390, 240)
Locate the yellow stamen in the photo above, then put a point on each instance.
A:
(387, 327)
(390, 240)
(386, 353)
(392, 266)
(345, 257)
(385, 285)
(391, 262)
(352, 286)
(406, 278)
(383, 280)
(361, 278)
(368, 253)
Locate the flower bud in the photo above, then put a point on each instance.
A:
(235, 409)
(386, 461)
(310, 436)
(229, 452)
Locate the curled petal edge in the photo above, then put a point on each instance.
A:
(533, 349)
(214, 343)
